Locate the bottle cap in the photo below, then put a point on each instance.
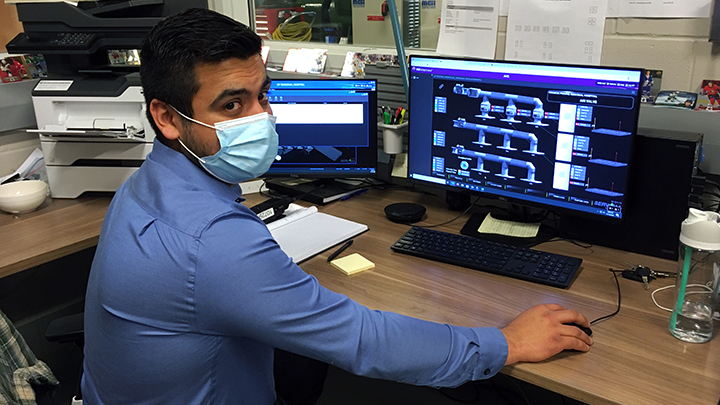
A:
(701, 230)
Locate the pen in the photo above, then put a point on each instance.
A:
(340, 250)
(347, 197)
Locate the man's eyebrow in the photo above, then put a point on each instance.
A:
(237, 92)
(229, 93)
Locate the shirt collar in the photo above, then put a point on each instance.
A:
(182, 167)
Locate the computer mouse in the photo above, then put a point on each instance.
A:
(587, 331)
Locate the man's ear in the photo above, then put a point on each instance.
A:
(167, 120)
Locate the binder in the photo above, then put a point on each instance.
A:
(305, 232)
(310, 191)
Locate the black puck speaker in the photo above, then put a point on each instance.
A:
(404, 212)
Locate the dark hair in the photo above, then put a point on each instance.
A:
(178, 44)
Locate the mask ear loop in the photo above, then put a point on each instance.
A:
(194, 120)
(197, 122)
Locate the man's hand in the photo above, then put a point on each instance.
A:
(540, 332)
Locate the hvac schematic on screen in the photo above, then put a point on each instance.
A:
(548, 142)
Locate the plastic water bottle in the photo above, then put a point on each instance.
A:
(696, 287)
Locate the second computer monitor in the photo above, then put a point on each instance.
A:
(327, 128)
(553, 136)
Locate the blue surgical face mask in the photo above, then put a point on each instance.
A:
(248, 146)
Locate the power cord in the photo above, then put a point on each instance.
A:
(617, 283)
(563, 238)
(716, 315)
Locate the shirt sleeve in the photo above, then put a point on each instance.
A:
(245, 285)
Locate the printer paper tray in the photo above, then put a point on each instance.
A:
(80, 133)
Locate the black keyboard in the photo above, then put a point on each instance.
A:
(492, 257)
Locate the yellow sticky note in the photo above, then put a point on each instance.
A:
(509, 228)
(351, 264)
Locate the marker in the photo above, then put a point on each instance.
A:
(340, 250)
(349, 196)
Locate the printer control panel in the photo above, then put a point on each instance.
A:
(71, 39)
(60, 41)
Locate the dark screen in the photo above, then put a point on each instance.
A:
(547, 135)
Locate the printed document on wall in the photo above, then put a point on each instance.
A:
(569, 31)
(468, 28)
(663, 8)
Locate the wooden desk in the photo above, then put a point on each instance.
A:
(56, 229)
(634, 360)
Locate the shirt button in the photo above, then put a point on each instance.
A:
(237, 200)
(487, 371)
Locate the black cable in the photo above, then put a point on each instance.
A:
(450, 220)
(602, 318)
(260, 190)
(573, 241)
(564, 238)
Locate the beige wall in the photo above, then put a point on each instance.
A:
(678, 47)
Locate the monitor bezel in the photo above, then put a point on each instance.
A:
(516, 200)
(372, 139)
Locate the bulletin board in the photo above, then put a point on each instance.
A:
(9, 24)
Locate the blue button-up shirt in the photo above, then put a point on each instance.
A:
(189, 294)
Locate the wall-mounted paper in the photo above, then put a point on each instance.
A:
(569, 31)
(660, 8)
(468, 28)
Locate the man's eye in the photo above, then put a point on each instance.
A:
(233, 105)
(263, 96)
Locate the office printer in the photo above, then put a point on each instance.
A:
(91, 141)
(90, 111)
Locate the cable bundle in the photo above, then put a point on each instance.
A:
(298, 31)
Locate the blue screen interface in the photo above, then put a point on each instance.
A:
(326, 127)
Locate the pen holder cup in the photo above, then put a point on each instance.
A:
(393, 137)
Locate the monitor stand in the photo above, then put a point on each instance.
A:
(516, 214)
(316, 191)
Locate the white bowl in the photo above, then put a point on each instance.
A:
(22, 196)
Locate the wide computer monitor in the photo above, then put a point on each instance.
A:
(327, 128)
(558, 137)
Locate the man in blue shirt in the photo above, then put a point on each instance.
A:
(189, 294)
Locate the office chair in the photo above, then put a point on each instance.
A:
(69, 329)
